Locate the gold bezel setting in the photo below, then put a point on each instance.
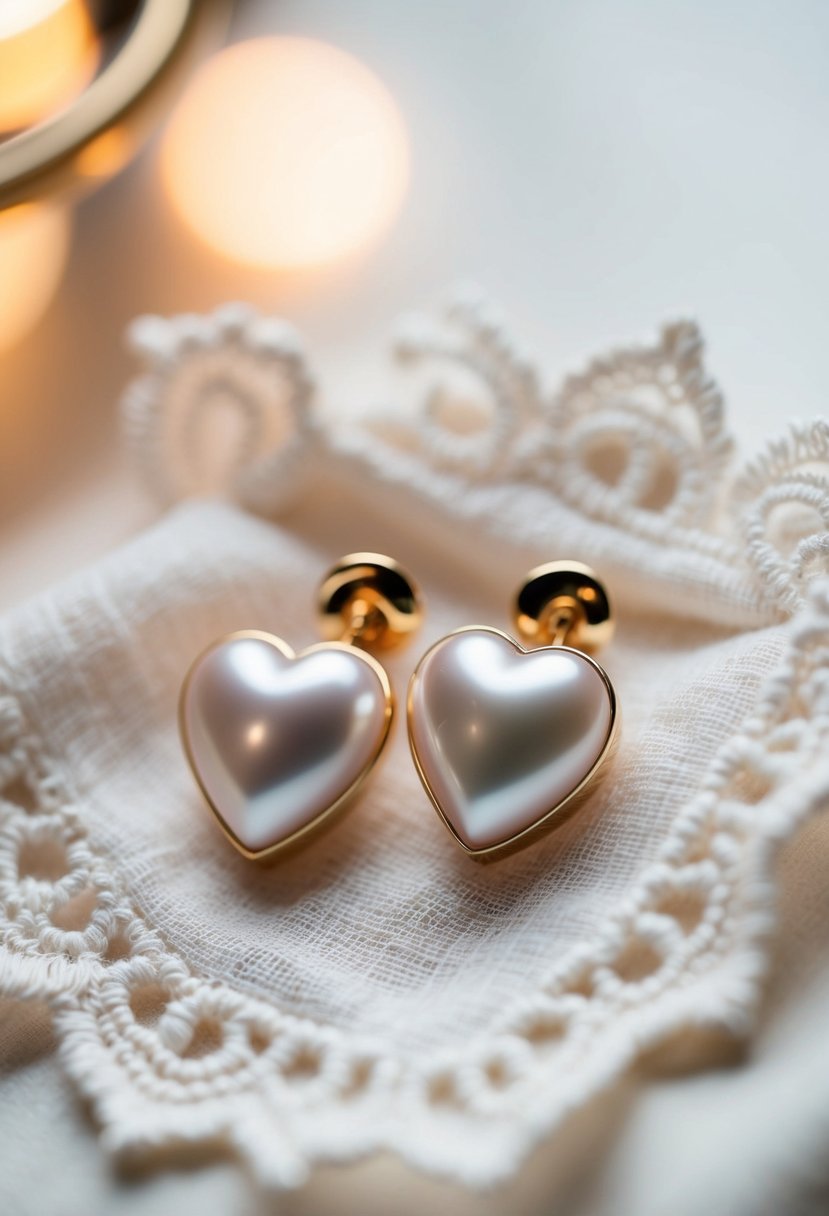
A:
(565, 807)
(326, 816)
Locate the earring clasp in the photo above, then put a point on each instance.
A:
(369, 600)
(564, 604)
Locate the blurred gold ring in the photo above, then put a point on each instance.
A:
(32, 161)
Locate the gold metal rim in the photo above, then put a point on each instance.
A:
(161, 29)
(329, 813)
(558, 814)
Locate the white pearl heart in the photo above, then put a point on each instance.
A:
(503, 737)
(276, 741)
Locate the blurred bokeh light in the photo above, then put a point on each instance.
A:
(48, 54)
(286, 153)
(34, 241)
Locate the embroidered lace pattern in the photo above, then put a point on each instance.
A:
(635, 455)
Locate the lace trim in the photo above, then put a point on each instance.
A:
(636, 444)
(168, 1057)
(237, 374)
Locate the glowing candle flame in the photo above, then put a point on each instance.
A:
(48, 55)
(286, 152)
(34, 240)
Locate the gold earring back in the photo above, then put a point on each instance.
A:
(368, 600)
(564, 604)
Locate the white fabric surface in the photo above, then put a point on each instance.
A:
(380, 928)
(485, 1004)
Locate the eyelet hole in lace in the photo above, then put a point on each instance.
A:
(304, 1065)
(76, 913)
(207, 1037)
(698, 848)
(44, 860)
(222, 431)
(228, 410)
(359, 1079)
(442, 1091)
(607, 458)
(19, 791)
(259, 1039)
(664, 484)
(637, 961)
(749, 786)
(581, 985)
(148, 1002)
(118, 947)
(462, 414)
(497, 1074)
(544, 1030)
(687, 908)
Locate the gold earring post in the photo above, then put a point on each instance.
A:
(564, 604)
(368, 600)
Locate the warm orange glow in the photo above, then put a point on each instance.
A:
(286, 152)
(106, 154)
(34, 240)
(48, 55)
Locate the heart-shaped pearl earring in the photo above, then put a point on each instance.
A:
(508, 741)
(277, 741)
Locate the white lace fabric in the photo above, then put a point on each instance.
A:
(378, 989)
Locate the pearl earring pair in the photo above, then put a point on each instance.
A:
(507, 740)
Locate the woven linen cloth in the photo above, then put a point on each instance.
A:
(378, 989)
